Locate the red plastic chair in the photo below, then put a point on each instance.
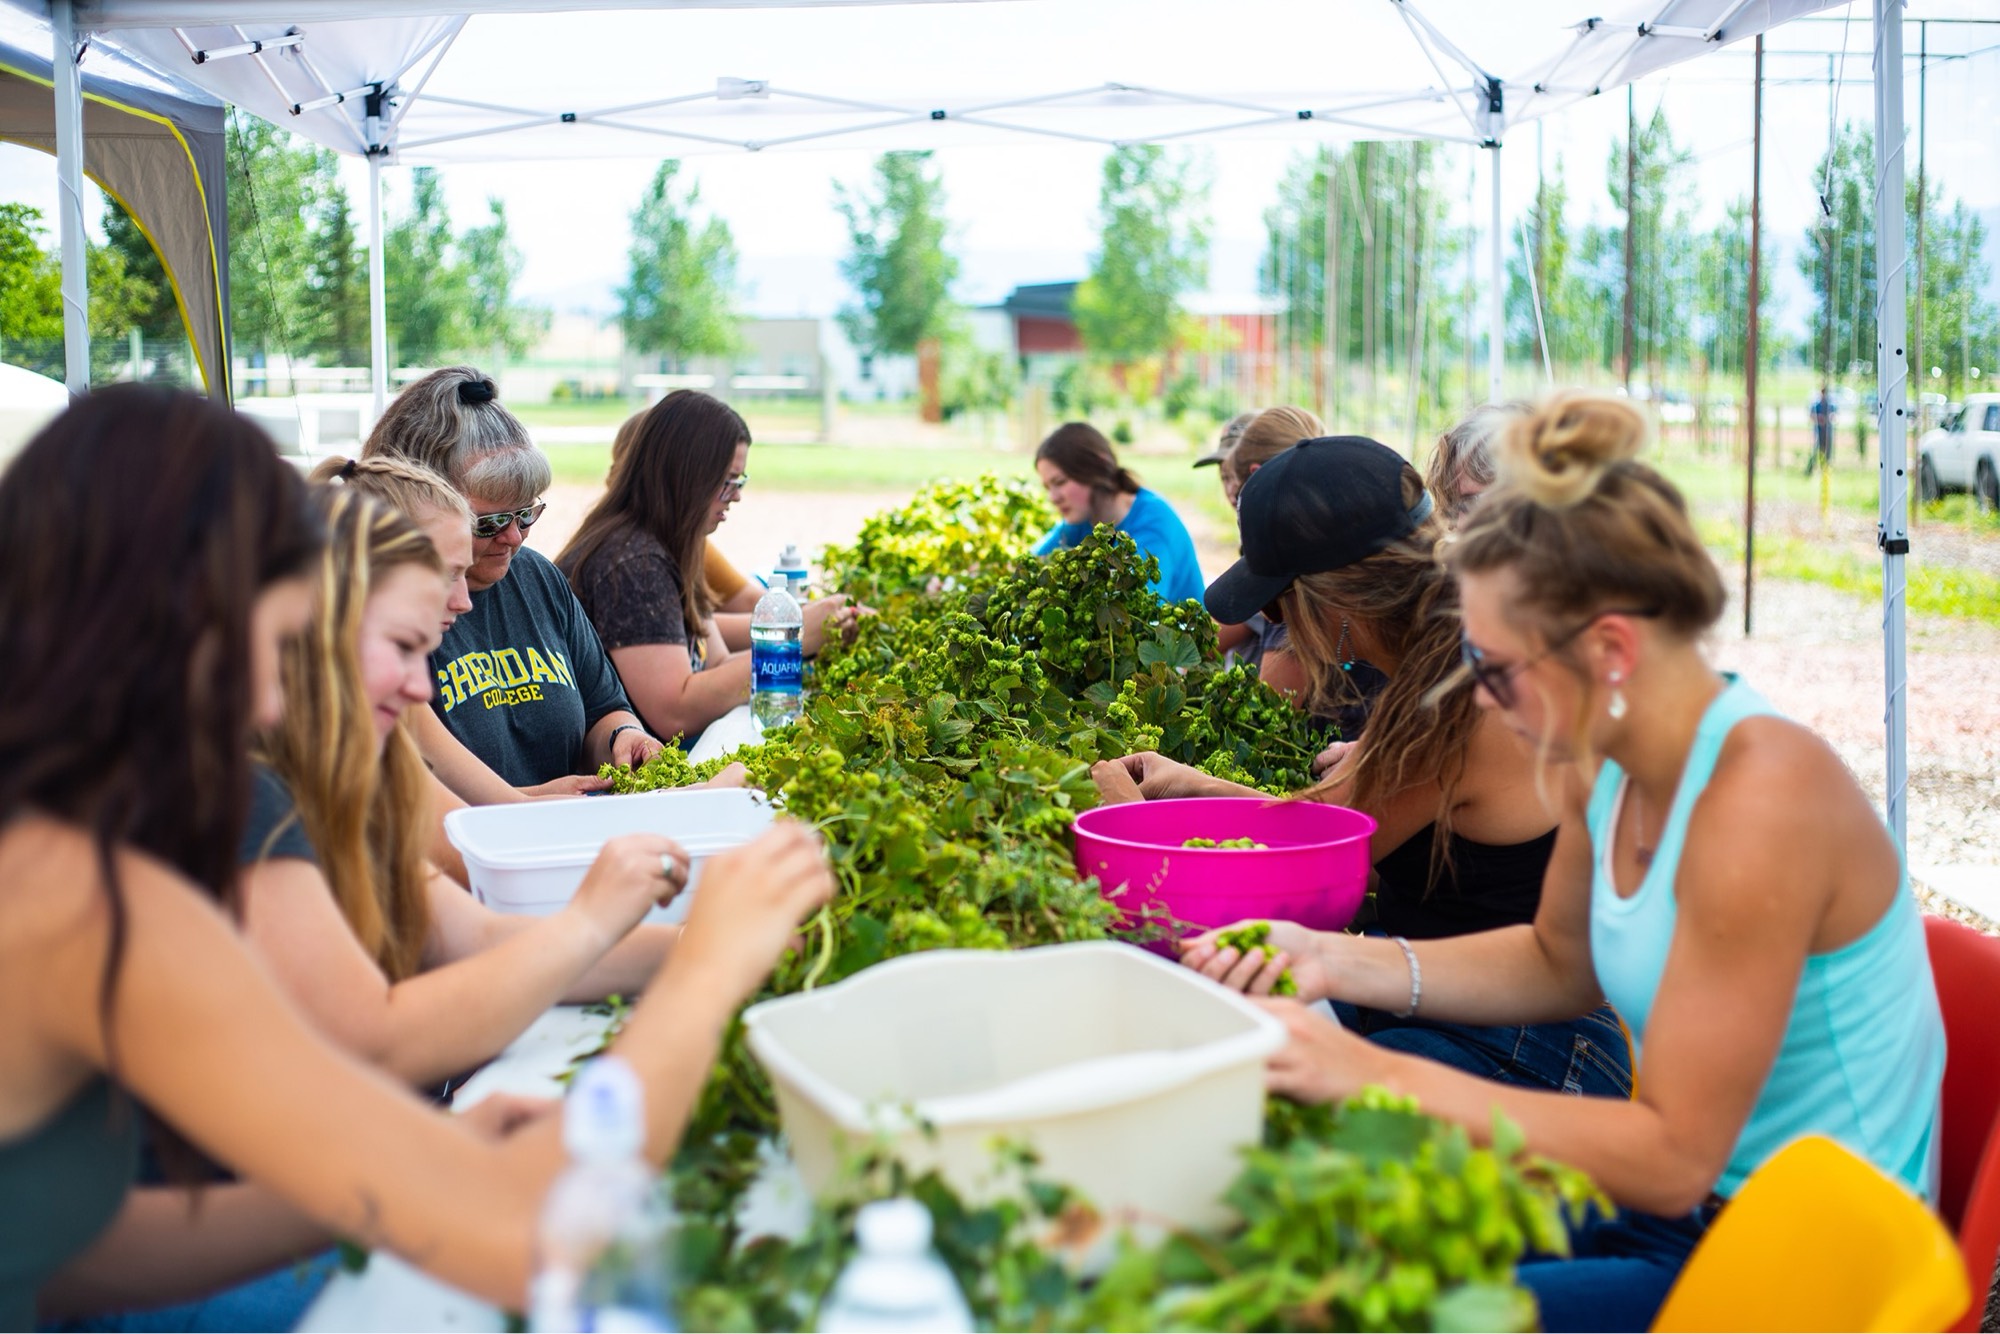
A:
(1966, 965)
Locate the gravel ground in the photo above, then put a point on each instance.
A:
(1816, 653)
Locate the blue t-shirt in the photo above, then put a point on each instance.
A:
(1159, 533)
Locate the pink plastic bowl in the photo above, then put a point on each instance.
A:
(1314, 871)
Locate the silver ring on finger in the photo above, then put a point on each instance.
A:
(671, 869)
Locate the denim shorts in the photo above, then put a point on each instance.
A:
(1587, 1056)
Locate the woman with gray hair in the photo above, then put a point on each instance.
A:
(525, 690)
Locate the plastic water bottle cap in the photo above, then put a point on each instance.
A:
(893, 1227)
(604, 1117)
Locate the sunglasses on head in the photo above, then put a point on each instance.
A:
(1498, 677)
(492, 525)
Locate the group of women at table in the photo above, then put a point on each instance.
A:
(235, 706)
(1583, 831)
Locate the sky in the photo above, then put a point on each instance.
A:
(1027, 212)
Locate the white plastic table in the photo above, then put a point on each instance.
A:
(392, 1295)
(733, 729)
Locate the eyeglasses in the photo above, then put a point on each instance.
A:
(492, 525)
(733, 486)
(1498, 678)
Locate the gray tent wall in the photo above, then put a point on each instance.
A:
(162, 158)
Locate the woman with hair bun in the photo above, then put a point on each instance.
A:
(1087, 487)
(1720, 877)
(525, 690)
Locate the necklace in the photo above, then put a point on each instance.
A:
(1639, 848)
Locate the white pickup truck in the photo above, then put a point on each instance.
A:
(1964, 453)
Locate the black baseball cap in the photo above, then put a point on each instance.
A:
(1318, 506)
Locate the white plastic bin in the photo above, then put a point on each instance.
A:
(529, 857)
(1138, 1081)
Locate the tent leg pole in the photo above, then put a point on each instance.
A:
(69, 191)
(378, 294)
(1892, 378)
(1496, 331)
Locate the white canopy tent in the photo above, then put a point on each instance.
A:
(415, 82)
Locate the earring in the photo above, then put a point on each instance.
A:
(1616, 708)
(1340, 649)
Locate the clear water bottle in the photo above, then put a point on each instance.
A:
(777, 660)
(895, 1282)
(605, 1227)
(793, 571)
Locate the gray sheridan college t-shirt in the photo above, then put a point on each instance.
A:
(521, 678)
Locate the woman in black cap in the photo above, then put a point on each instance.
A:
(1338, 539)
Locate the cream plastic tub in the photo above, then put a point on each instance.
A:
(530, 856)
(1138, 1081)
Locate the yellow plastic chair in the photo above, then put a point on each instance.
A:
(1820, 1239)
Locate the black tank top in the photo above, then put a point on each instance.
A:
(1482, 886)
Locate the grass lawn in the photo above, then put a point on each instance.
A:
(1714, 488)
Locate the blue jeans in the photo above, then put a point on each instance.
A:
(1585, 1056)
(1618, 1273)
(278, 1300)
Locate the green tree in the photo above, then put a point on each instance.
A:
(497, 323)
(1153, 246)
(1663, 242)
(160, 318)
(1961, 327)
(1722, 293)
(1837, 255)
(30, 281)
(337, 281)
(1378, 208)
(896, 257)
(429, 296)
(276, 183)
(678, 300)
(1549, 255)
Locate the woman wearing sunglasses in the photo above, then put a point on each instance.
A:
(1338, 536)
(154, 558)
(524, 688)
(1720, 876)
(638, 564)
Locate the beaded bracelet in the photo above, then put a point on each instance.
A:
(1416, 978)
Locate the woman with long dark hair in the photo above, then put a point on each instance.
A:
(153, 552)
(1087, 486)
(638, 563)
(1338, 535)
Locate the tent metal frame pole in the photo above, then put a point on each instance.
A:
(1496, 315)
(378, 294)
(69, 195)
(1892, 378)
(1750, 353)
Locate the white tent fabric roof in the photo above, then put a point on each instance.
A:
(528, 79)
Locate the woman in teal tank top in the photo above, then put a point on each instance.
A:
(1735, 896)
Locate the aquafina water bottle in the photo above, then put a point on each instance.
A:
(777, 659)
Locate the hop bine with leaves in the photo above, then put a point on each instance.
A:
(943, 754)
